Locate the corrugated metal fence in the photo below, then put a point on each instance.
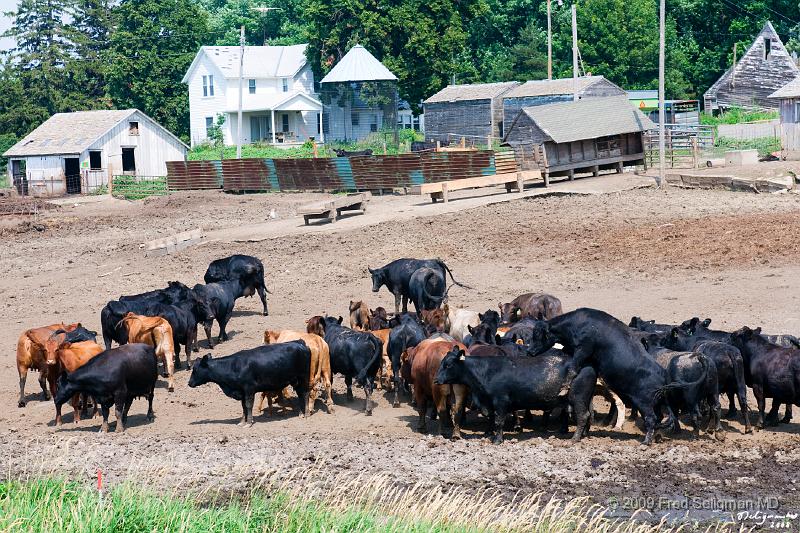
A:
(338, 173)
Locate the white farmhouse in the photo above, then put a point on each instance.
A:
(278, 101)
(74, 153)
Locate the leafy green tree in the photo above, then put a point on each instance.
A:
(150, 50)
(92, 23)
(279, 25)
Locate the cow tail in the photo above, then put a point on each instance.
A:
(133, 327)
(447, 269)
(261, 276)
(376, 357)
(433, 298)
(662, 391)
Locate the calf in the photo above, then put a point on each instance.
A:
(155, 332)
(320, 369)
(427, 288)
(772, 371)
(246, 269)
(407, 334)
(69, 357)
(649, 326)
(501, 385)
(595, 338)
(434, 320)
(536, 305)
(397, 274)
(486, 331)
(378, 319)
(385, 375)
(359, 316)
(117, 377)
(32, 354)
(221, 296)
(423, 363)
(270, 367)
(729, 364)
(184, 323)
(459, 320)
(354, 354)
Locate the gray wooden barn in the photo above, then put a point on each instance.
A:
(472, 111)
(788, 99)
(584, 136)
(763, 69)
(543, 92)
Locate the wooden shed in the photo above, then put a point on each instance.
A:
(788, 99)
(543, 92)
(584, 136)
(763, 69)
(472, 111)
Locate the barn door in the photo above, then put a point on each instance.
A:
(72, 173)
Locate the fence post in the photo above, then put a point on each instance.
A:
(694, 152)
(488, 142)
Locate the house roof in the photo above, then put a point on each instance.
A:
(358, 65)
(552, 87)
(259, 61)
(72, 133)
(474, 91)
(790, 90)
(588, 119)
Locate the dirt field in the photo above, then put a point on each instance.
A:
(664, 255)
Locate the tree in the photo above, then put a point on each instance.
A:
(149, 53)
(92, 23)
(278, 26)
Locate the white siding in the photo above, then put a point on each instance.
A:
(201, 106)
(45, 174)
(304, 81)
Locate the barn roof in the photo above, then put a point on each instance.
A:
(588, 119)
(790, 90)
(72, 133)
(358, 65)
(552, 87)
(259, 61)
(475, 91)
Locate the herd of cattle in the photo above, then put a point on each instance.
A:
(527, 355)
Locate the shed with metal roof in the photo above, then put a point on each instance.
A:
(584, 136)
(473, 112)
(74, 153)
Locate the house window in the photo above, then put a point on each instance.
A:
(767, 47)
(208, 85)
(133, 128)
(285, 123)
(354, 119)
(95, 161)
(285, 85)
(797, 112)
(209, 125)
(373, 125)
(251, 86)
(260, 128)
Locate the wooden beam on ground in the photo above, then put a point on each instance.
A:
(173, 243)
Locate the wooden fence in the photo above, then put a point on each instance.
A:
(332, 174)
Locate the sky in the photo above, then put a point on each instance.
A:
(6, 5)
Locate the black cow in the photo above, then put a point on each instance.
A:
(267, 368)
(486, 331)
(407, 334)
(354, 354)
(649, 326)
(346, 153)
(78, 334)
(730, 375)
(396, 276)
(248, 270)
(529, 331)
(595, 338)
(694, 325)
(221, 297)
(115, 376)
(183, 318)
(501, 385)
(772, 371)
(427, 289)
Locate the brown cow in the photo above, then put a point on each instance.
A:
(420, 367)
(536, 305)
(279, 398)
(31, 354)
(359, 316)
(320, 365)
(378, 319)
(435, 320)
(68, 357)
(385, 373)
(156, 332)
(314, 325)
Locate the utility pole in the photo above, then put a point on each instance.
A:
(661, 110)
(733, 68)
(575, 52)
(549, 43)
(241, 76)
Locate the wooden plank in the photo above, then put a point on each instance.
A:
(470, 183)
(173, 243)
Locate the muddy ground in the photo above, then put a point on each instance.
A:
(668, 255)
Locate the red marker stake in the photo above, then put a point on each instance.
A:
(100, 484)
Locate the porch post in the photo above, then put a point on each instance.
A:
(272, 114)
(321, 133)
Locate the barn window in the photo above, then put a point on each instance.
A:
(767, 47)
(128, 160)
(251, 86)
(354, 119)
(133, 128)
(95, 161)
(373, 125)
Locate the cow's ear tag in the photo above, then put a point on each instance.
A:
(462, 357)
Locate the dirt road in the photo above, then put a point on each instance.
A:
(664, 255)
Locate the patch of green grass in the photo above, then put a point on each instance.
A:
(137, 187)
(4, 184)
(737, 115)
(764, 145)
